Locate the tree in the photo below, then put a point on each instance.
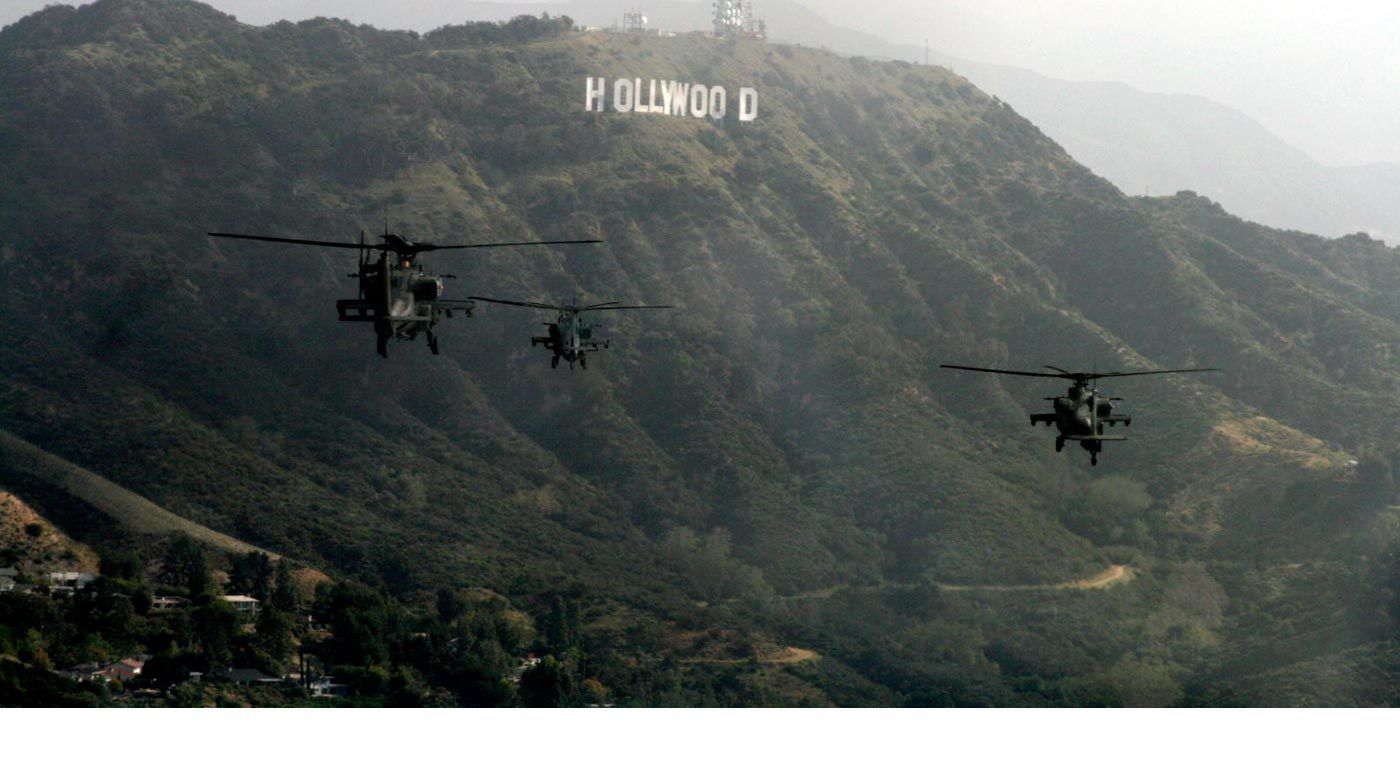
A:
(549, 683)
(272, 635)
(359, 622)
(284, 596)
(215, 625)
(185, 565)
(450, 605)
(122, 565)
(561, 625)
(251, 575)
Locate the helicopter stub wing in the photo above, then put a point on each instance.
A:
(1094, 438)
(454, 305)
(357, 310)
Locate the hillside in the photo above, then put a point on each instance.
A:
(788, 430)
(1143, 142)
(23, 460)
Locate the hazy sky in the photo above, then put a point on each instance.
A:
(1325, 76)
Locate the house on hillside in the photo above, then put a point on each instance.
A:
(83, 672)
(245, 606)
(244, 677)
(69, 582)
(325, 688)
(162, 604)
(123, 670)
(524, 664)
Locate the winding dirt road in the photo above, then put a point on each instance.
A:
(1116, 574)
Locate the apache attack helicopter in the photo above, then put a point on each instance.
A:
(1081, 414)
(400, 298)
(570, 336)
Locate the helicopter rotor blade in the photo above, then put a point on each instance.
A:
(297, 241)
(1102, 375)
(431, 247)
(1058, 369)
(1009, 371)
(538, 305)
(627, 307)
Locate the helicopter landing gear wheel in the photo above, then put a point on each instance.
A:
(1059, 443)
(1094, 458)
(554, 362)
(383, 346)
(582, 361)
(433, 343)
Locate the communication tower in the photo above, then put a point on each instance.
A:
(734, 18)
(634, 22)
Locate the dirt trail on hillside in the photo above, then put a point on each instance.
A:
(786, 656)
(130, 509)
(1116, 574)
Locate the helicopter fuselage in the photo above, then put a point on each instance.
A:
(1081, 415)
(570, 338)
(401, 299)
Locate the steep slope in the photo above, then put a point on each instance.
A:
(787, 430)
(130, 511)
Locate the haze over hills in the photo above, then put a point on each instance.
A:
(781, 459)
(1143, 142)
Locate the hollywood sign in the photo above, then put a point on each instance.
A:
(667, 97)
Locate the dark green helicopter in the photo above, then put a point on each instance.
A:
(1081, 414)
(399, 297)
(570, 336)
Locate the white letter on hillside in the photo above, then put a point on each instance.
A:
(666, 97)
(654, 106)
(593, 97)
(699, 101)
(679, 93)
(719, 102)
(622, 95)
(748, 103)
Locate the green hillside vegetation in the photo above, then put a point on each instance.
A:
(785, 433)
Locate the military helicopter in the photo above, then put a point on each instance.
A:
(400, 298)
(1081, 414)
(570, 336)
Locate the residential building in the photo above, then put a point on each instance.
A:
(160, 604)
(246, 606)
